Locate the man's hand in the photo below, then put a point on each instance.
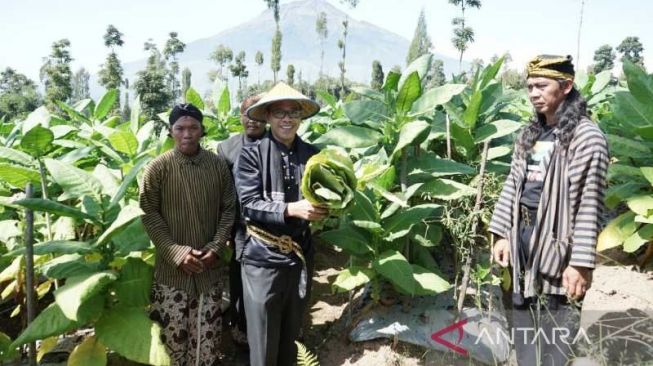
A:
(208, 258)
(577, 280)
(305, 210)
(191, 263)
(501, 252)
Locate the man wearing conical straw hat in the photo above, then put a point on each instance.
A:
(277, 253)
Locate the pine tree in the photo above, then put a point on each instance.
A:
(631, 49)
(342, 44)
(377, 75)
(239, 70)
(275, 63)
(435, 76)
(259, 62)
(56, 74)
(18, 95)
(172, 48)
(290, 75)
(604, 58)
(322, 33)
(79, 84)
(151, 85)
(421, 43)
(185, 82)
(126, 110)
(222, 55)
(111, 72)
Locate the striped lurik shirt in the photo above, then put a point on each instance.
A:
(188, 204)
(569, 214)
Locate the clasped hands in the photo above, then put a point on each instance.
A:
(197, 261)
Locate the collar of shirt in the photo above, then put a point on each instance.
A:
(284, 150)
(196, 159)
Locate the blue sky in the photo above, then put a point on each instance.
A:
(522, 27)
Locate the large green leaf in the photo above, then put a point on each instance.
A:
(602, 80)
(51, 321)
(16, 156)
(128, 180)
(350, 239)
(134, 118)
(446, 189)
(496, 129)
(641, 237)
(45, 205)
(617, 231)
(72, 112)
(364, 110)
(194, 98)
(68, 265)
(427, 282)
(124, 141)
(408, 93)
(350, 137)
(74, 181)
(429, 164)
(133, 238)
(395, 267)
(105, 104)
(56, 247)
(363, 208)
(400, 223)
(126, 216)
(391, 81)
(79, 289)
(498, 152)
(18, 176)
(37, 141)
(470, 116)
(437, 96)
(490, 72)
(640, 83)
(368, 92)
(632, 112)
(641, 204)
(88, 353)
(421, 65)
(624, 147)
(133, 286)
(351, 278)
(648, 173)
(132, 334)
(412, 133)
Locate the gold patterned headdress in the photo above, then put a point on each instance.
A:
(554, 67)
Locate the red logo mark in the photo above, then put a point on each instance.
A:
(459, 326)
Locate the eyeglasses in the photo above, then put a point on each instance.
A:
(280, 113)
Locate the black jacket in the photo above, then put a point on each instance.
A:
(259, 181)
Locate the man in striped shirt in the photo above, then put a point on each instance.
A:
(188, 198)
(547, 218)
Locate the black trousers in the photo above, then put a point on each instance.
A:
(237, 317)
(544, 327)
(274, 312)
(544, 330)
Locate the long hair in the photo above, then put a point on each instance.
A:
(569, 114)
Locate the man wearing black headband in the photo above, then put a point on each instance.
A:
(548, 216)
(188, 197)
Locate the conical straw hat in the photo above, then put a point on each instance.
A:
(280, 92)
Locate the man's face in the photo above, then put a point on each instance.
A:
(187, 132)
(546, 94)
(284, 119)
(253, 129)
